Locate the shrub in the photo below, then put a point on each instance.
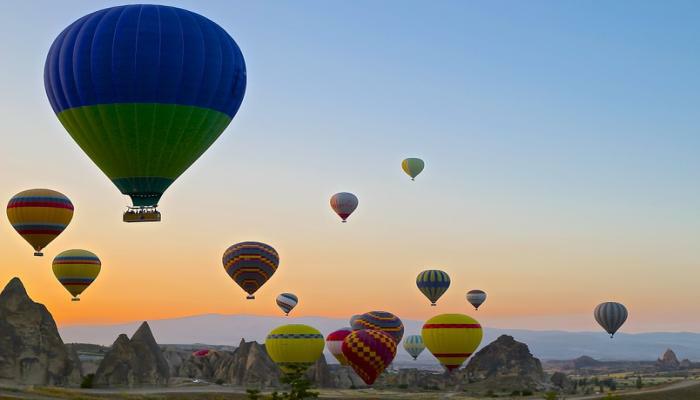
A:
(87, 381)
(219, 381)
(403, 386)
(527, 392)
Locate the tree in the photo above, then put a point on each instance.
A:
(299, 386)
(639, 384)
(550, 396)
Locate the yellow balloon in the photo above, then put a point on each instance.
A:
(76, 270)
(294, 345)
(452, 338)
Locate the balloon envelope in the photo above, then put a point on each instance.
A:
(476, 298)
(344, 204)
(610, 316)
(369, 352)
(39, 216)
(144, 90)
(286, 302)
(76, 270)
(452, 338)
(381, 320)
(250, 264)
(412, 167)
(295, 345)
(334, 344)
(201, 353)
(433, 284)
(414, 345)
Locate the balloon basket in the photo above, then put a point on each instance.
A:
(75, 299)
(141, 215)
(343, 221)
(250, 297)
(433, 305)
(38, 254)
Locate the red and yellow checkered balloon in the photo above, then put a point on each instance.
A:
(369, 352)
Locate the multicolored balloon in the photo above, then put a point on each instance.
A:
(76, 270)
(452, 338)
(334, 344)
(476, 298)
(610, 315)
(433, 284)
(344, 204)
(354, 318)
(412, 167)
(39, 216)
(382, 321)
(250, 265)
(369, 352)
(414, 345)
(286, 302)
(294, 346)
(144, 90)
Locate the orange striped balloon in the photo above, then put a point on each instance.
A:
(452, 338)
(39, 216)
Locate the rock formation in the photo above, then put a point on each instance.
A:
(31, 350)
(506, 363)
(249, 366)
(563, 383)
(133, 362)
(668, 361)
(585, 362)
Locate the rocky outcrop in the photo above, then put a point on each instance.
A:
(506, 362)
(249, 366)
(563, 383)
(585, 362)
(133, 362)
(31, 350)
(668, 361)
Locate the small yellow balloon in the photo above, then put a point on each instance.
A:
(76, 270)
(452, 338)
(294, 345)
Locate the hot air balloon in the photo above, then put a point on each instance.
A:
(452, 338)
(294, 346)
(476, 298)
(433, 284)
(354, 318)
(412, 167)
(250, 265)
(76, 270)
(382, 321)
(39, 216)
(334, 344)
(286, 302)
(344, 204)
(414, 345)
(610, 316)
(201, 353)
(144, 90)
(369, 352)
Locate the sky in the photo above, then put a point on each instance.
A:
(561, 142)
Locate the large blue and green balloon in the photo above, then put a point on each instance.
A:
(144, 90)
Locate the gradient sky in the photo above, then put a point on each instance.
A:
(562, 144)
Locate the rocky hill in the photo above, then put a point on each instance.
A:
(31, 350)
(133, 362)
(505, 362)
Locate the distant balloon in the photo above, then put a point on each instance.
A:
(414, 345)
(354, 318)
(344, 204)
(144, 90)
(452, 338)
(286, 302)
(369, 352)
(610, 316)
(433, 284)
(476, 298)
(295, 345)
(250, 265)
(412, 167)
(76, 270)
(334, 344)
(380, 320)
(39, 216)
(201, 353)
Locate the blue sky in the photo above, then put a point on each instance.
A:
(561, 141)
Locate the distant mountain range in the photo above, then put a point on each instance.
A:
(218, 329)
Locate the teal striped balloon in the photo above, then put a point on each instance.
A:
(414, 345)
(433, 284)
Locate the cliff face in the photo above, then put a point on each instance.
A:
(506, 360)
(668, 361)
(133, 362)
(31, 350)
